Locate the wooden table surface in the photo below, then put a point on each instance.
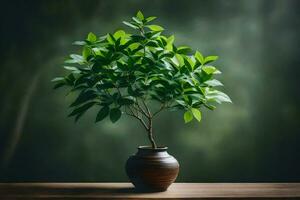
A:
(126, 191)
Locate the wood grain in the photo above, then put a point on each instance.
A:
(126, 191)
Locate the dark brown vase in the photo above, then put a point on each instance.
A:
(152, 169)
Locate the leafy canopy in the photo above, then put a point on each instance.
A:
(119, 71)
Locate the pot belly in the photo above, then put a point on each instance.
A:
(152, 172)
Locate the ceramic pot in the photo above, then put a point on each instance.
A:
(152, 169)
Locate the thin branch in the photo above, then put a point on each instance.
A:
(137, 113)
(141, 109)
(148, 111)
(133, 108)
(159, 110)
(126, 111)
(137, 117)
(143, 123)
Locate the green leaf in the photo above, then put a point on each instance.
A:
(59, 84)
(71, 68)
(209, 59)
(130, 25)
(86, 52)
(170, 41)
(183, 50)
(137, 38)
(188, 116)
(125, 101)
(213, 83)
(155, 27)
(134, 93)
(115, 114)
(196, 113)
(179, 59)
(152, 44)
(104, 111)
(217, 96)
(163, 41)
(140, 15)
(78, 116)
(70, 79)
(181, 102)
(210, 107)
(58, 79)
(91, 37)
(81, 79)
(83, 97)
(209, 69)
(79, 43)
(110, 38)
(199, 57)
(105, 86)
(75, 59)
(137, 20)
(149, 19)
(81, 109)
(188, 63)
(119, 34)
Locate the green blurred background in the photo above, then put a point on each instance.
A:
(255, 139)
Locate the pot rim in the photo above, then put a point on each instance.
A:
(149, 148)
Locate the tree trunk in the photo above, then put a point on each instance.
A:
(150, 134)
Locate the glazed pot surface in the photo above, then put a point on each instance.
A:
(152, 169)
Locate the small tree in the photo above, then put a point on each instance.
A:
(124, 73)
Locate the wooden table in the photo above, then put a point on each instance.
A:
(126, 191)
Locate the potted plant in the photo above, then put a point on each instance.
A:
(141, 74)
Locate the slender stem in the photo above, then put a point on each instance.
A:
(148, 111)
(143, 123)
(150, 126)
(150, 134)
(140, 109)
(160, 109)
(137, 117)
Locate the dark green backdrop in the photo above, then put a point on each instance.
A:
(254, 139)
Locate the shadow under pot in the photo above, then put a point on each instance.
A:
(151, 169)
